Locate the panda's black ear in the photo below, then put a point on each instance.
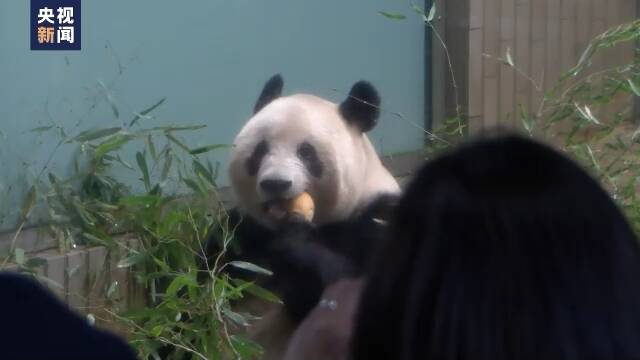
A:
(362, 107)
(271, 91)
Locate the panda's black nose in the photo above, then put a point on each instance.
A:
(275, 186)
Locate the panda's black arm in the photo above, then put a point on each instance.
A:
(304, 267)
(308, 259)
(357, 238)
(302, 264)
(305, 259)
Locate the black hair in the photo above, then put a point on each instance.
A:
(37, 325)
(503, 249)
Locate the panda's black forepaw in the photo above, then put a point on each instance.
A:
(297, 219)
(293, 233)
(294, 224)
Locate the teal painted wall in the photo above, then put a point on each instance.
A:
(209, 58)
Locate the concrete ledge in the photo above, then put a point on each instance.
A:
(82, 277)
(31, 240)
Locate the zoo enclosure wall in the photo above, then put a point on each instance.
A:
(544, 37)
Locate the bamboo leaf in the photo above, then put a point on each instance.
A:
(111, 144)
(157, 330)
(167, 165)
(112, 289)
(592, 156)
(72, 271)
(250, 267)
(18, 255)
(174, 140)
(204, 149)
(142, 164)
(95, 239)
(245, 347)
(432, 13)
(152, 148)
(509, 58)
(203, 172)
(418, 10)
(526, 121)
(392, 16)
(634, 87)
(123, 163)
(110, 100)
(177, 128)
(84, 215)
(143, 113)
(216, 171)
(584, 59)
(180, 282)
(257, 291)
(29, 203)
(193, 185)
(132, 260)
(94, 134)
(42, 128)
(585, 113)
(235, 317)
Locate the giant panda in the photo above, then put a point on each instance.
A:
(304, 143)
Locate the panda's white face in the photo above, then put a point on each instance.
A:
(290, 147)
(302, 143)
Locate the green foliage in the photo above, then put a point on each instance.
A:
(188, 296)
(591, 115)
(195, 317)
(392, 16)
(588, 114)
(193, 312)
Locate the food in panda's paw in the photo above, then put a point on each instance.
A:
(302, 205)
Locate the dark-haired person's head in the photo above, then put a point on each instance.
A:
(503, 250)
(36, 325)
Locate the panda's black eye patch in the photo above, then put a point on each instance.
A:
(253, 163)
(307, 153)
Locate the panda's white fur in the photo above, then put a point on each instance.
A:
(353, 173)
